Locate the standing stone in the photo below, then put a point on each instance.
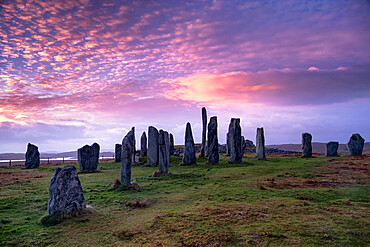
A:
(133, 144)
(143, 149)
(152, 146)
(227, 144)
(189, 149)
(164, 161)
(172, 145)
(88, 157)
(32, 156)
(306, 145)
(117, 153)
(204, 132)
(212, 141)
(235, 139)
(332, 148)
(243, 144)
(356, 144)
(65, 191)
(126, 160)
(260, 144)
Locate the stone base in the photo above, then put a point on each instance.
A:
(51, 220)
(88, 171)
(160, 174)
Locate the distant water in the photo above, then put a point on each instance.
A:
(51, 159)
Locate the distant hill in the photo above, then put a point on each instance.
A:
(317, 147)
(20, 156)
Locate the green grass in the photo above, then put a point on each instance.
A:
(203, 205)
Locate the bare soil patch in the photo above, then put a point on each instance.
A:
(8, 177)
(348, 170)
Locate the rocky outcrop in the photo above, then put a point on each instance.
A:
(356, 144)
(88, 157)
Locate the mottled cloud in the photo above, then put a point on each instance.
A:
(86, 61)
(273, 87)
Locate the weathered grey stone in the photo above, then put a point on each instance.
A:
(172, 145)
(204, 132)
(332, 148)
(65, 191)
(243, 144)
(260, 144)
(306, 145)
(117, 153)
(88, 157)
(227, 144)
(152, 146)
(356, 144)
(126, 159)
(189, 150)
(212, 141)
(32, 156)
(163, 161)
(143, 149)
(133, 144)
(235, 139)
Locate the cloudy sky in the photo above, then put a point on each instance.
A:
(83, 71)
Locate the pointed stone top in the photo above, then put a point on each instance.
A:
(188, 133)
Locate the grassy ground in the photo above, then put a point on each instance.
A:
(279, 202)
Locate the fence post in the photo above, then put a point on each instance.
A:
(48, 160)
(10, 162)
(63, 159)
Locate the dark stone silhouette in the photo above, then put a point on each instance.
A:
(126, 160)
(356, 144)
(143, 148)
(204, 132)
(32, 157)
(133, 144)
(117, 153)
(332, 148)
(88, 157)
(306, 145)
(243, 144)
(235, 140)
(212, 141)
(172, 145)
(260, 144)
(152, 146)
(227, 144)
(163, 142)
(65, 191)
(189, 149)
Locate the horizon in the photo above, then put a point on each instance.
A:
(75, 73)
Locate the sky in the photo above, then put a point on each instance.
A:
(84, 71)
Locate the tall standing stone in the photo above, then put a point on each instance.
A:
(32, 156)
(65, 191)
(227, 144)
(172, 145)
(243, 144)
(235, 139)
(163, 151)
(204, 132)
(133, 144)
(356, 144)
(117, 153)
(126, 159)
(152, 146)
(143, 141)
(260, 144)
(306, 145)
(212, 141)
(88, 157)
(189, 149)
(332, 149)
